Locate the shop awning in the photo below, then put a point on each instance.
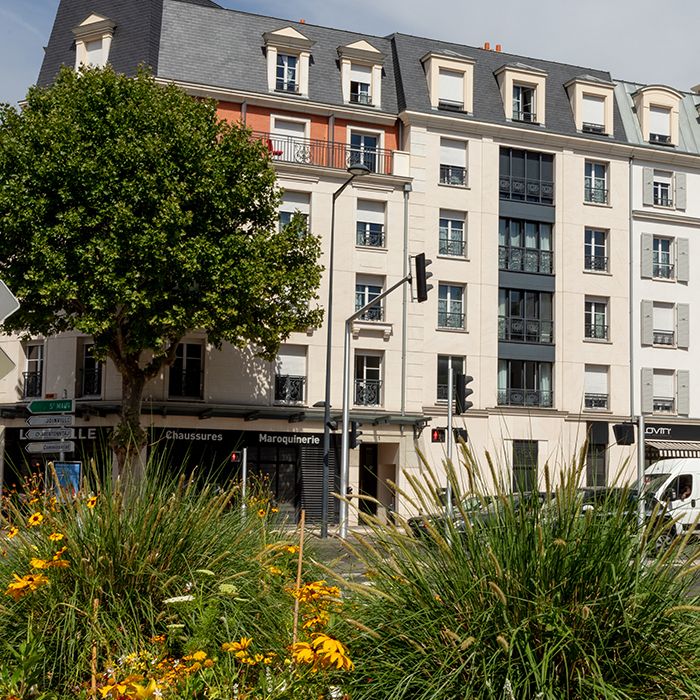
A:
(675, 448)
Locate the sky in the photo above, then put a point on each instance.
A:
(638, 40)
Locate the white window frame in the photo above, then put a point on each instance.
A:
(595, 309)
(367, 288)
(452, 303)
(458, 366)
(596, 387)
(449, 223)
(596, 186)
(662, 187)
(593, 261)
(663, 263)
(519, 114)
(365, 355)
(663, 403)
(282, 62)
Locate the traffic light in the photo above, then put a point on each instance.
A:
(237, 457)
(462, 390)
(460, 434)
(354, 434)
(438, 434)
(624, 433)
(422, 275)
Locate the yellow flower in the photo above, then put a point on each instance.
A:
(303, 653)
(274, 510)
(243, 645)
(12, 532)
(56, 536)
(149, 691)
(21, 586)
(36, 563)
(197, 656)
(332, 652)
(60, 553)
(35, 519)
(91, 502)
(274, 570)
(262, 512)
(292, 549)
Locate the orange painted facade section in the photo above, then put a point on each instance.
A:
(230, 111)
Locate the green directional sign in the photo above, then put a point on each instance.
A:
(51, 406)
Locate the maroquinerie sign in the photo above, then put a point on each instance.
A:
(655, 431)
(249, 437)
(288, 439)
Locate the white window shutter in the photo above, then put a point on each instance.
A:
(291, 361)
(682, 259)
(647, 257)
(648, 187)
(593, 110)
(660, 120)
(361, 74)
(370, 212)
(683, 389)
(683, 325)
(647, 393)
(647, 323)
(296, 201)
(451, 86)
(453, 152)
(680, 191)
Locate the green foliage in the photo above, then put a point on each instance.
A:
(536, 601)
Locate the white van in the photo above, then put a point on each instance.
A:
(676, 484)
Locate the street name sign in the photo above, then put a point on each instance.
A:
(51, 406)
(50, 433)
(48, 447)
(50, 421)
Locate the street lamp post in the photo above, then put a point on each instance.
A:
(355, 170)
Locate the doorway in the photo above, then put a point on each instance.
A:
(368, 478)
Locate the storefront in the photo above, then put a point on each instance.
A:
(664, 441)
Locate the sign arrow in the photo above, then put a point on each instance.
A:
(57, 421)
(50, 433)
(8, 302)
(51, 406)
(49, 447)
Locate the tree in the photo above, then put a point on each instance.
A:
(130, 212)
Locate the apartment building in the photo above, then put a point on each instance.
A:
(521, 179)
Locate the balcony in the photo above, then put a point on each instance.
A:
(667, 338)
(664, 405)
(517, 259)
(325, 154)
(590, 128)
(526, 190)
(288, 86)
(91, 381)
(596, 331)
(450, 319)
(662, 139)
(596, 263)
(368, 392)
(522, 330)
(185, 384)
(31, 385)
(289, 389)
(449, 246)
(451, 105)
(453, 175)
(525, 397)
(524, 115)
(596, 401)
(376, 313)
(370, 235)
(664, 271)
(663, 200)
(595, 194)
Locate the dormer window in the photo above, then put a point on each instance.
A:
(657, 109)
(450, 79)
(361, 73)
(523, 92)
(593, 114)
(287, 73)
(591, 101)
(450, 90)
(93, 40)
(288, 56)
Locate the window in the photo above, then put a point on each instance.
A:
(186, 372)
(526, 176)
(450, 306)
(524, 316)
(663, 193)
(450, 90)
(596, 319)
(596, 183)
(443, 379)
(34, 371)
(524, 246)
(452, 241)
(370, 223)
(662, 258)
(524, 466)
(664, 326)
(659, 125)
(290, 374)
(286, 79)
(596, 464)
(453, 162)
(90, 372)
(525, 383)
(368, 379)
(664, 391)
(298, 203)
(595, 387)
(287, 141)
(595, 250)
(593, 107)
(360, 84)
(524, 103)
(367, 288)
(93, 40)
(363, 149)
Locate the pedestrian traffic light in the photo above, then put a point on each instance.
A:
(354, 434)
(460, 434)
(237, 457)
(438, 434)
(462, 390)
(422, 275)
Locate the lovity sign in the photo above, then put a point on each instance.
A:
(685, 433)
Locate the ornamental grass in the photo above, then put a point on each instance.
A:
(523, 598)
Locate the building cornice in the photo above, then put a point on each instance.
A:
(665, 218)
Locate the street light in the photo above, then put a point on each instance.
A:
(356, 170)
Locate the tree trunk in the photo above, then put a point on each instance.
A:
(129, 438)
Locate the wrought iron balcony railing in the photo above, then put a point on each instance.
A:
(663, 139)
(450, 246)
(524, 115)
(325, 154)
(591, 128)
(598, 331)
(451, 105)
(525, 397)
(665, 271)
(525, 330)
(599, 401)
(597, 194)
(361, 98)
(525, 259)
(664, 405)
(664, 337)
(376, 313)
(525, 190)
(662, 200)
(91, 381)
(371, 235)
(597, 263)
(453, 175)
(289, 388)
(368, 392)
(282, 85)
(450, 319)
(31, 384)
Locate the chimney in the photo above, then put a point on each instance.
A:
(302, 21)
(498, 48)
(487, 45)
